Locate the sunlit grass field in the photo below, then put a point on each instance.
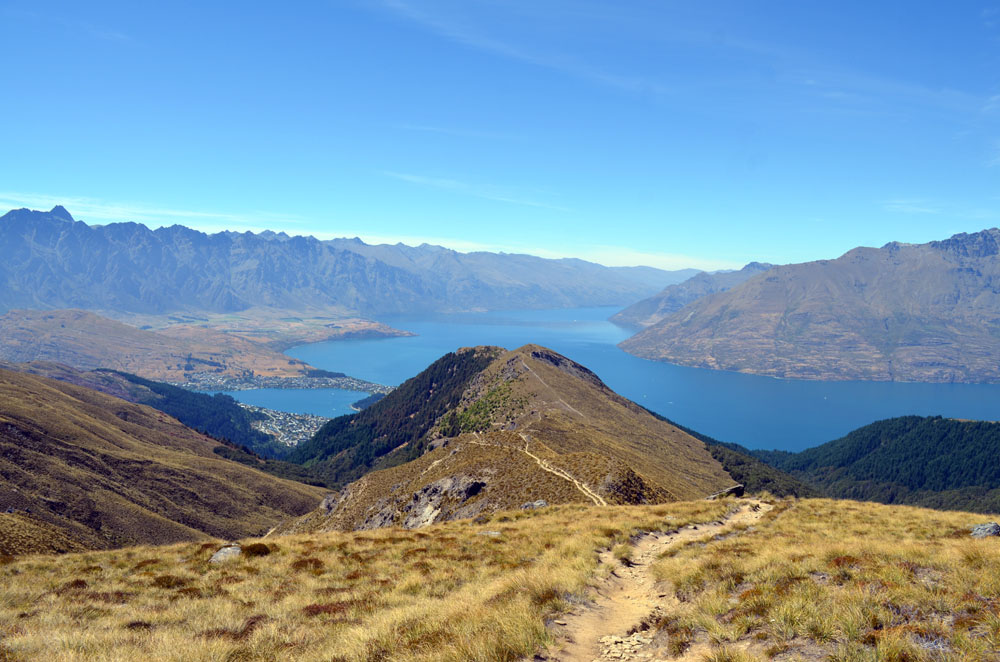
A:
(843, 581)
(814, 579)
(456, 591)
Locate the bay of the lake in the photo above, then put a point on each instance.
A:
(759, 412)
(330, 402)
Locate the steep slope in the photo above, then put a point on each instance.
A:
(927, 461)
(84, 340)
(52, 261)
(531, 425)
(674, 297)
(107, 473)
(754, 474)
(218, 416)
(905, 312)
(394, 429)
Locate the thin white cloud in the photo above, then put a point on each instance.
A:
(612, 256)
(451, 131)
(469, 36)
(922, 206)
(77, 26)
(91, 209)
(910, 207)
(468, 189)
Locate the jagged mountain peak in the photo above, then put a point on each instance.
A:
(60, 212)
(53, 262)
(984, 243)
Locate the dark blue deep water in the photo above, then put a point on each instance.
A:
(758, 412)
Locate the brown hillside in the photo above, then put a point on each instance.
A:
(84, 340)
(903, 312)
(533, 425)
(108, 473)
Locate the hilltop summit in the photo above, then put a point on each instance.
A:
(487, 429)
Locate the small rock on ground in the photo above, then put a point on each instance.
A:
(986, 530)
(227, 553)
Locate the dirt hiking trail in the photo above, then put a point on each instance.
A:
(600, 630)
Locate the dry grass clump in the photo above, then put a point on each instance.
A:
(846, 581)
(457, 591)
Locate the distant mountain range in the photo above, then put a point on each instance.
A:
(674, 297)
(51, 261)
(903, 312)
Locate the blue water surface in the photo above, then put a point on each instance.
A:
(759, 412)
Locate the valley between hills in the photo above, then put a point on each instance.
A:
(503, 503)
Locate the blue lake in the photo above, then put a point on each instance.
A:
(759, 412)
(330, 402)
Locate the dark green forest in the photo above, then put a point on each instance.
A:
(926, 461)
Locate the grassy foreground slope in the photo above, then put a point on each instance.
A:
(106, 472)
(813, 579)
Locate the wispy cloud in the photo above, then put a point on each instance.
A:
(612, 256)
(97, 211)
(75, 25)
(911, 206)
(462, 33)
(91, 209)
(451, 131)
(921, 206)
(486, 193)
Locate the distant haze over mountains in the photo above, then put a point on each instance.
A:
(52, 261)
(904, 312)
(674, 297)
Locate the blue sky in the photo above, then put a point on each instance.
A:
(675, 134)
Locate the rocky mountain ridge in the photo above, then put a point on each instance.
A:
(52, 261)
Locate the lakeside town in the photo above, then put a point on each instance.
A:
(211, 381)
(286, 428)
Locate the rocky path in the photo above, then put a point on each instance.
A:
(545, 466)
(600, 631)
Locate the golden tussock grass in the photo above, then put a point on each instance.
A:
(843, 581)
(454, 591)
